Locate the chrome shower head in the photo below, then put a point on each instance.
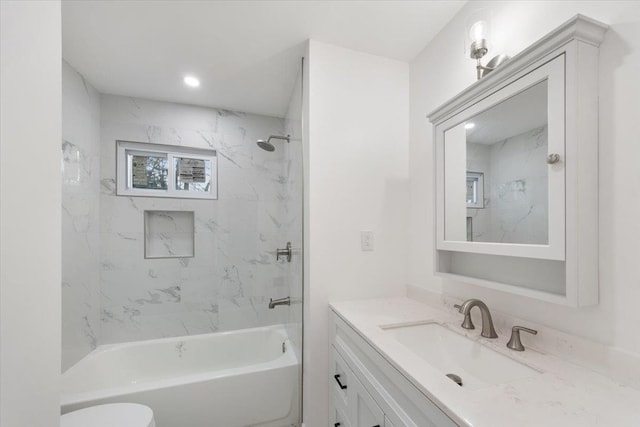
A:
(267, 145)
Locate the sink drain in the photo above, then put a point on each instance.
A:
(455, 378)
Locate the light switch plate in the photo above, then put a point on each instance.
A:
(366, 240)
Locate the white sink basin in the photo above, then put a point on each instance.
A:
(451, 353)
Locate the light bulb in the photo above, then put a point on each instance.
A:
(478, 31)
(469, 125)
(191, 81)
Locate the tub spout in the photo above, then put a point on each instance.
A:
(279, 301)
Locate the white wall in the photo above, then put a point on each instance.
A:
(442, 70)
(357, 180)
(80, 221)
(30, 88)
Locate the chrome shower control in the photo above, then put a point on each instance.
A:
(284, 252)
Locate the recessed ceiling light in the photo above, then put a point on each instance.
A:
(191, 81)
(469, 125)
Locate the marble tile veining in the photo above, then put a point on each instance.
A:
(515, 189)
(227, 282)
(80, 150)
(111, 292)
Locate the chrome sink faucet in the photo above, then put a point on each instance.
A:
(487, 323)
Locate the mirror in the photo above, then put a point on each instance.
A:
(496, 172)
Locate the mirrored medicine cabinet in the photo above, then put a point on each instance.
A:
(517, 172)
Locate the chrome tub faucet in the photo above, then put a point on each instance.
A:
(280, 301)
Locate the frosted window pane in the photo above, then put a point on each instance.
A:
(192, 174)
(148, 172)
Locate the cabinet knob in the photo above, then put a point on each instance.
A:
(553, 158)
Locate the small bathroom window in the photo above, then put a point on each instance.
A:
(152, 170)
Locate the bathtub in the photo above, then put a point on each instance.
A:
(240, 378)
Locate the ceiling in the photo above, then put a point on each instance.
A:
(246, 53)
(521, 113)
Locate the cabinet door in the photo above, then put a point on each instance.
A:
(365, 410)
(337, 418)
(340, 381)
(507, 151)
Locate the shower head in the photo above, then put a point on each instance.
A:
(267, 145)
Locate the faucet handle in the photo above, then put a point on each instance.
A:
(467, 324)
(287, 251)
(514, 342)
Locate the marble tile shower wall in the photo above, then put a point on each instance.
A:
(227, 284)
(80, 217)
(516, 181)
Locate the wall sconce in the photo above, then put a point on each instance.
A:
(477, 39)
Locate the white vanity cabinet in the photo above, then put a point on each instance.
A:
(353, 405)
(366, 412)
(337, 417)
(367, 391)
(516, 172)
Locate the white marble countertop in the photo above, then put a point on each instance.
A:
(563, 395)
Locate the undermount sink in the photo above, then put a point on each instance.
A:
(451, 353)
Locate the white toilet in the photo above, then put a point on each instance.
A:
(110, 415)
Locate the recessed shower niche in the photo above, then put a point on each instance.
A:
(169, 234)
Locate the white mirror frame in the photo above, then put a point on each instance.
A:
(447, 207)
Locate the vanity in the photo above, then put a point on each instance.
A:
(389, 360)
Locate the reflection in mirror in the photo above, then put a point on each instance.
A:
(475, 189)
(505, 172)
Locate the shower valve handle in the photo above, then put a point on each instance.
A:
(284, 252)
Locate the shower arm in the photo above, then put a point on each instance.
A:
(284, 138)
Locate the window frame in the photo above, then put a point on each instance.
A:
(123, 170)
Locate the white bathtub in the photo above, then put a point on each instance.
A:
(227, 379)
